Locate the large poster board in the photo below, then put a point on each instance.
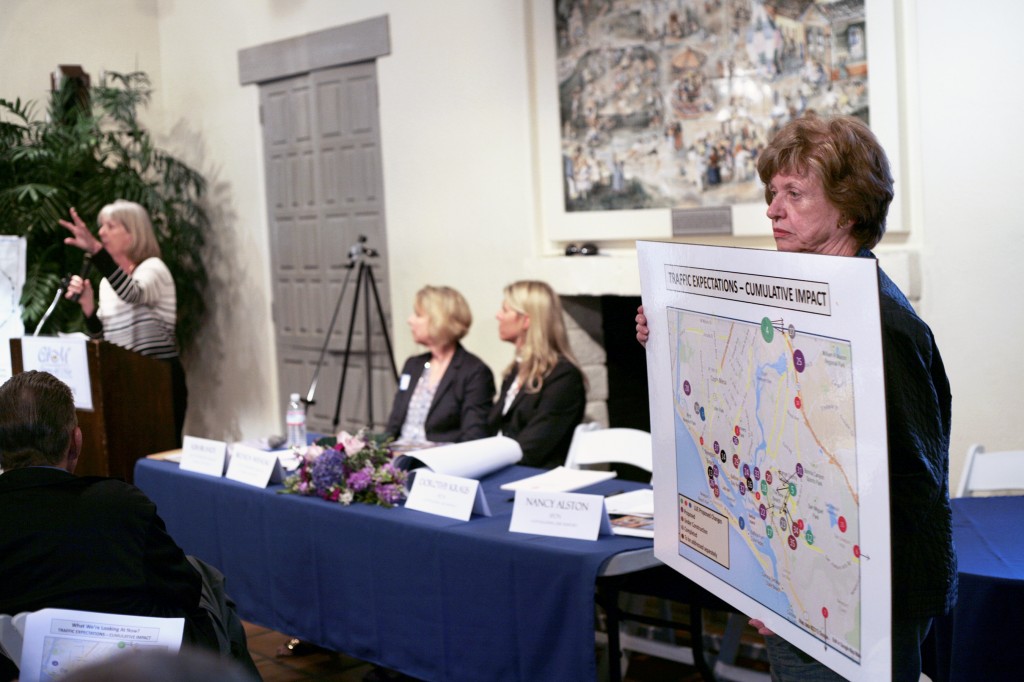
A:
(770, 456)
(12, 280)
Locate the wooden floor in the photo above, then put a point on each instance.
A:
(331, 667)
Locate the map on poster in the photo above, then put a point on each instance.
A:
(766, 386)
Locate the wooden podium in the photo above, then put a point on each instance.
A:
(133, 409)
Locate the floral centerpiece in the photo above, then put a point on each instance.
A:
(347, 469)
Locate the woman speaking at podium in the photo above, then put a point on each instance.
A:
(137, 306)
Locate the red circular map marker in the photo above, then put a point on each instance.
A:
(824, 611)
(842, 524)
(797, 402)
(856, 551)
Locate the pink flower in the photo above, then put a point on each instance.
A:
(351, 444)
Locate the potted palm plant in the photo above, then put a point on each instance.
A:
(88, 150)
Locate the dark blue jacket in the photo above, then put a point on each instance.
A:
(918, 406)
(543, 422)
(458, 411)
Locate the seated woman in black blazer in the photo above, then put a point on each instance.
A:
(543, 393)
(444, 394)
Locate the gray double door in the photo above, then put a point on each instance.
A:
(325, 193)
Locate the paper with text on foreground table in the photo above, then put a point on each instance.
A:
(59, 641)
(770, 456)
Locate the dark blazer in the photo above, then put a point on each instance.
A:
(543, 422)
(918, 408)
(459, 410)
(93, 544)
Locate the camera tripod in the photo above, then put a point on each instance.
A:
(358, 254)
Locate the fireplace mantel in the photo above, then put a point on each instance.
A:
(600, 275)
(617, 274)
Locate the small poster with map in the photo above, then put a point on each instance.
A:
(770, 456)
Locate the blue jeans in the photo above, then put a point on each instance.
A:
(789, 664)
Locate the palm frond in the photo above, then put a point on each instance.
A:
(87, 152)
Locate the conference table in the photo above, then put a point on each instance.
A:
(433, 597)
(978, 640)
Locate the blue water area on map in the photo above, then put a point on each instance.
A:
(745, 572)
(761, 449)
(833, 515)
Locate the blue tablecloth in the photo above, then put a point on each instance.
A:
(980, 639)
(433, 597)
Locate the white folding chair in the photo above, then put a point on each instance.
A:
(592, 446)
(991, 472)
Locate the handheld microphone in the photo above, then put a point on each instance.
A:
(86, 269)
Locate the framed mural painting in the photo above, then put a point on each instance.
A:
(651, 111)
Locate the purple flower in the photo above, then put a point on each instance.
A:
(356, 469)
(388, 493)
(328, 471)
(360, 480)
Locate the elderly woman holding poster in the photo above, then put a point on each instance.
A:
(828, 189)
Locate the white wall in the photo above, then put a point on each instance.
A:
(971, 233)
(38, 35)
(456, 139)
(456, 155)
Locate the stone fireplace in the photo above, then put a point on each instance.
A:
(603, 337)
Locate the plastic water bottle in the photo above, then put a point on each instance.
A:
(295, 420)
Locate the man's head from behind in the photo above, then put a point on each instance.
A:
(38, 426)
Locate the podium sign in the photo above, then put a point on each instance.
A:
(133, 408)
(64, 358)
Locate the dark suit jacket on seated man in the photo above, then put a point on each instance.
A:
(87, 543)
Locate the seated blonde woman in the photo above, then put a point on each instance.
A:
(444, 394)
(543, 393)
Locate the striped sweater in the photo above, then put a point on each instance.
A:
(137, 312)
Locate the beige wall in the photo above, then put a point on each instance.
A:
(37, 35)
(458, 168)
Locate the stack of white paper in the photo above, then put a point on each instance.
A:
(636, 502)
(560, 480)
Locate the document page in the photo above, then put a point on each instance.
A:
(59, 641)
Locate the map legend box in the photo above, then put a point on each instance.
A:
(704, 530)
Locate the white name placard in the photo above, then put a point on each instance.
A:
(563, 515)
(253, 467)
(444, 495)
(203, 456)
(64, 358)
